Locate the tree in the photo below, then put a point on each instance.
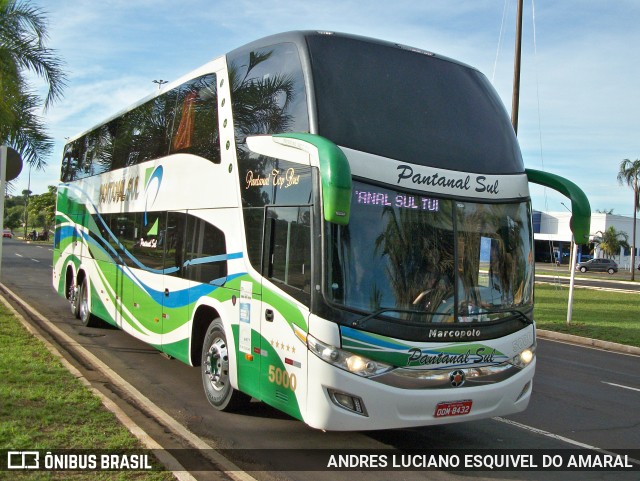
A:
(22, 49)
(14, 208)
(611, 241)
(630, 174)
(42, 209)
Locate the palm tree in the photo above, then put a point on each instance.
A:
(22, 37)
(611, 241)
(630, 174)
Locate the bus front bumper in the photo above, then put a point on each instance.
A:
(342, 401)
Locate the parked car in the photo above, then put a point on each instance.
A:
(598, 265)
(7, 233)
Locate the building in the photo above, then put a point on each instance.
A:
(552, 237)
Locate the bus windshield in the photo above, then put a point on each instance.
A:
(399, 258)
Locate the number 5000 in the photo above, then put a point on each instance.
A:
(282, 378)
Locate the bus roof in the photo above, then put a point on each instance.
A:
(299, 37)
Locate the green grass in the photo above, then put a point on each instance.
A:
(605, 315)
(42, 406)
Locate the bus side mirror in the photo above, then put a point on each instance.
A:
(580, 208)
(335, 173)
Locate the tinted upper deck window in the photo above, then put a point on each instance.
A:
(410, 106)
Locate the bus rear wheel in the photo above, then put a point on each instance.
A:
(74, 299)
(215, 370)
(82, 299)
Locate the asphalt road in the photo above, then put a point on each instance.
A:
(583, 398)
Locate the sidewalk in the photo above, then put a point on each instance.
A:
(588, 342)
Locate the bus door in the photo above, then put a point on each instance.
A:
(281, 174)
(287, 266)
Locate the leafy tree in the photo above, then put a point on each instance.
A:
(13, 216)
(13, 211)
(22, 49)
(611, 241)
(42, 209)
(630, 174)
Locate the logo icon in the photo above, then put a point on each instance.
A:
(23, 460)
(457, 378)
(151, 189)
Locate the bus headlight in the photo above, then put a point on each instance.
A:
(346, 360)
(524, 357)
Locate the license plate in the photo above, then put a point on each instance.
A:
(453, 408)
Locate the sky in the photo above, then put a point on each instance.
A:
(579, 113)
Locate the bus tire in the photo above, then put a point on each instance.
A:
(84, 314)
(74, 299)
(215, 370)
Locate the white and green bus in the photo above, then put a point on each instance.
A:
(337, 226)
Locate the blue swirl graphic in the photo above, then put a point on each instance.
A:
(157, 174)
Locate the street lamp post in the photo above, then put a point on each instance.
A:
(26, 204)
(160, 83)
(573, 261)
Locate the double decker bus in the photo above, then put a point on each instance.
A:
(334, 225)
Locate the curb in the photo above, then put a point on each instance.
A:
(168, 461)
(587, 279)
(227, 467)
(587, 341)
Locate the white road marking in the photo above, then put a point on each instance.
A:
(621, 385)
(19, 255)
(558, 437)
(547, 434)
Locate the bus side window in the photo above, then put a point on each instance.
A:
(174, 245)
(254, 228)
(206, 251)
(150, 240)
(195, 127)
(72, 160)
(287, 255)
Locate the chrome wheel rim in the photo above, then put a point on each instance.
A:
(217, 365)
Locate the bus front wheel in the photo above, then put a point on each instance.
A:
(215, 371)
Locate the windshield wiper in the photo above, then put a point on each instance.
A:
(519, 314)
(513, 312)
(363, 320)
